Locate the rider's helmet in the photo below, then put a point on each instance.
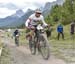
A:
(38, 11)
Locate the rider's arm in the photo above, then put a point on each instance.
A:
(27, 22)
(43, 21)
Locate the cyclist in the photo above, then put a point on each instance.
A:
(16, 35)
(33, 20)
(72, 29)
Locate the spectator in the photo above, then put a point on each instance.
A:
(72, 28)
(60, 31)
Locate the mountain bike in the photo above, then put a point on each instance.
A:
(17, 40)
(39, 41)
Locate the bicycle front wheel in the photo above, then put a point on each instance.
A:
(44, 47)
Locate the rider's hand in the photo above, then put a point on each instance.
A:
(45, 26)
(32, 28)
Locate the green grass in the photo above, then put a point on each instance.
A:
(5, 57)
(0, 43)
(22, 38)
(63, 48)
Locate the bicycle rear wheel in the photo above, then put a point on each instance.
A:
(17, 41)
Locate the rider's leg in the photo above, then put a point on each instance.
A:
(72, 35)
(37, 41)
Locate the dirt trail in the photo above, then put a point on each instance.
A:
(21, 55)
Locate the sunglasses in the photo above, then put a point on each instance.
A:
(38, 13)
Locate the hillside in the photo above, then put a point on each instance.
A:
(64, 14)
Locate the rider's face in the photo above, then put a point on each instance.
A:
(38, 14)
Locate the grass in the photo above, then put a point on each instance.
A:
(5, 57)
(0, 43)
(63, 49)
(22, 38)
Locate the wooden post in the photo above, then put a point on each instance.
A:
(0, 51)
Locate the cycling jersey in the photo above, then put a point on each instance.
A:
(33, 20)
(16, 32)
